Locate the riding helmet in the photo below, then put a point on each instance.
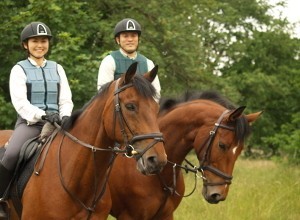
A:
(35, 29)
(127, 24)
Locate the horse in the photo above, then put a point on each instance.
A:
(210, 125)
(70, 175)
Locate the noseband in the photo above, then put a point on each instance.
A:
(130, 151)
(205, 161)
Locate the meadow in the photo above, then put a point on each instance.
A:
(261, 190)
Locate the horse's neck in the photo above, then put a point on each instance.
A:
(179, 134)
(91, 153)
(90, 127)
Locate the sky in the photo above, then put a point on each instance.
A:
(291, 12)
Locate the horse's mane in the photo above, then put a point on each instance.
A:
(167, 104)
(242, 127)
(140, 83)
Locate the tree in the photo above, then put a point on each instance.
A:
(233, 46)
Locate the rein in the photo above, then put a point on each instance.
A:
(194, 169)
(128, 150)
(172, 189)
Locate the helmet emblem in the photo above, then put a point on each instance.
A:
(41, 29)
(130, 25)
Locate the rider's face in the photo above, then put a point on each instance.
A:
(128, 41)
(37, 47)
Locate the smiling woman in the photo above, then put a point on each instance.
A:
(39, 91)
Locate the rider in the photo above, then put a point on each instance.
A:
(127, 33)
(39, 91)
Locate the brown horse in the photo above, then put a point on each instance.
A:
(217, 135)
(73, 169)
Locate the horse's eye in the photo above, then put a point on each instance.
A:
(222, 146)
(130, 107)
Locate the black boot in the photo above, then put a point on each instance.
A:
(6, 176)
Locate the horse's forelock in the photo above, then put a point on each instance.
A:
(143, 86)
(242, 129)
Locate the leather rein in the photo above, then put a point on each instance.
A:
(205, 160)
(128, 150)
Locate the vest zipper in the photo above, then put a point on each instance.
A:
(46, 90)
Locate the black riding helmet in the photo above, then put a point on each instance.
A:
(35, 29)
(127, 24)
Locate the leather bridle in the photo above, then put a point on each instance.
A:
(130, 151)
(205, 161)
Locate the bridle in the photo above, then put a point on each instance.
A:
(130, 151)
(205, 161)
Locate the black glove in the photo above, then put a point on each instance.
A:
(51, 117)
(64, 119)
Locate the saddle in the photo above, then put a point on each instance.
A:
(28, 156)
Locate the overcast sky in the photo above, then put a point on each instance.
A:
(292, 12)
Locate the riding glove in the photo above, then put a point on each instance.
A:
(64, 119)
(51, 117)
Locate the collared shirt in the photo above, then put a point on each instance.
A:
(107, 69)
(18, 94)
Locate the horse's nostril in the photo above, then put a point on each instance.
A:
(152, 160)
(215, 197)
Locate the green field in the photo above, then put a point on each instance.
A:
(261, 190)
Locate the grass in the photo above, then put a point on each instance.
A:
(261, 190)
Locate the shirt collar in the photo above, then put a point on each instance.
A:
(125, 55)
(32, 61)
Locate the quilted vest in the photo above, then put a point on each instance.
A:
(43, 85)
(122, 63)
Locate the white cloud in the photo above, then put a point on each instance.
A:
(291, 12)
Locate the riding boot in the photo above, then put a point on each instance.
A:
(6, 176)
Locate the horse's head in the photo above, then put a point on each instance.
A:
(219, 151)
(130, 118)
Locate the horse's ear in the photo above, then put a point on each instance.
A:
(152, 74)
(236, 113)
(130, 72)
(253, 117)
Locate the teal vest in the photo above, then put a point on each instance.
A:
(43, 85)
(123, 63)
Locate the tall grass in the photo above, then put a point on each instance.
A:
(261, 190)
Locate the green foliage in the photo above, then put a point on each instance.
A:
(233, 46)
(8, 115)
(288, 140)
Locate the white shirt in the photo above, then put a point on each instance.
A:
(18, 94)
(107, 69)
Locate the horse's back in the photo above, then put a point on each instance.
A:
(4, 136)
